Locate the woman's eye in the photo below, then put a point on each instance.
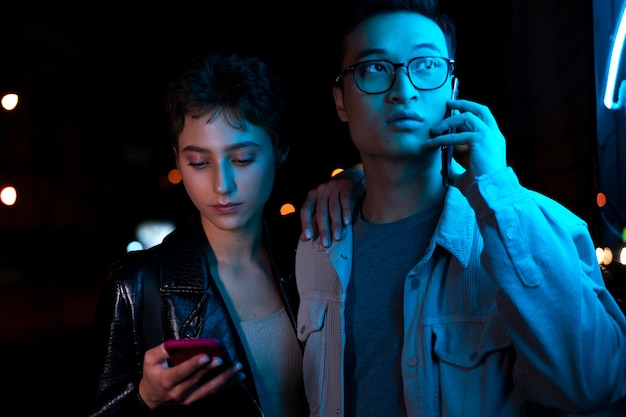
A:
(201, 164)
(243, 161)
(243, 157)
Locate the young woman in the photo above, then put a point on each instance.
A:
(221, 276)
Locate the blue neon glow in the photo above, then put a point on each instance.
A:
(616, 55)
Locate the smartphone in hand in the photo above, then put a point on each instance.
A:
(181, 350)
(446, 150)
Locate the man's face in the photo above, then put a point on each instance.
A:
(395, 123)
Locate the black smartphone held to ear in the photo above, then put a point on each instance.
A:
(446, 150)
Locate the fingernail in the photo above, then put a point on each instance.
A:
(346, 220)
(308, 233)
(325, 242)
(337, 235)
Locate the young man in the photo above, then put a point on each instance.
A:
(481, 298)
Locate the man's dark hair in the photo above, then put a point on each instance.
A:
(356, 11)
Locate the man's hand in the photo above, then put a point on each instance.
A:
(477, 131)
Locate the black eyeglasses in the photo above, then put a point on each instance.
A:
(377, 76)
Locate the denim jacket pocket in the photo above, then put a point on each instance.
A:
(474, 356)
(467, 342)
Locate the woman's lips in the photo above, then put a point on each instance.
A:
(226, 208)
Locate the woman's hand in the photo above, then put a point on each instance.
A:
(328, 208)
(183, 383)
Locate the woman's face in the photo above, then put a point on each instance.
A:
(228, 173)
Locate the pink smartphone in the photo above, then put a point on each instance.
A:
(181, 350)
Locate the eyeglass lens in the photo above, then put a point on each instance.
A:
(378, 76)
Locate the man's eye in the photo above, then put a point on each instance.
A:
(426, 64)
(375, 67)
(429, 63)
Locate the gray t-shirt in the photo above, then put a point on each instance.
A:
(383, 256)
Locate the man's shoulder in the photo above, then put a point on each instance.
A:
(556, 209)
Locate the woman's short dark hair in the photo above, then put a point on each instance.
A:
(242, 89)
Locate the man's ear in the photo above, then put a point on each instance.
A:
(339, 106)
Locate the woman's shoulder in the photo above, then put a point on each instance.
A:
(184, 238)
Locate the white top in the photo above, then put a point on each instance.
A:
(276, 361)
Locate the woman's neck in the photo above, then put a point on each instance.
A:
(235, 246)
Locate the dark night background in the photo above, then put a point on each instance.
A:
(86, 146)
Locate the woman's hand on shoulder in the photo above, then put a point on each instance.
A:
(328, 208)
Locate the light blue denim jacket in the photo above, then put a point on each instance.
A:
(507, 308)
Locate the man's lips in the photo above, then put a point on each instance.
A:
(404, 118)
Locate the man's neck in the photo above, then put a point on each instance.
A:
(392, 196)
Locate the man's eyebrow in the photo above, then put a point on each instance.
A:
(381, 51)
(369, 52)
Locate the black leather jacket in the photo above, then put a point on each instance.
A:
(191, 307)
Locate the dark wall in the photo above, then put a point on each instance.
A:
(87, 150)
(86, 146)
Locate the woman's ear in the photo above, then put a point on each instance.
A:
(176, 157)
(281, 156)
(339, 106)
